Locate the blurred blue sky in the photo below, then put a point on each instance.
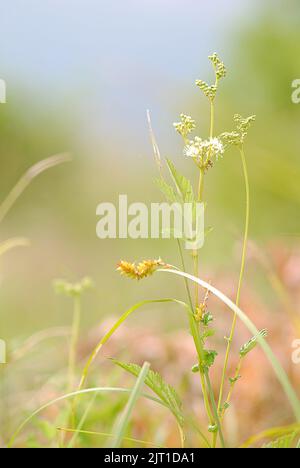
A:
(117, 57)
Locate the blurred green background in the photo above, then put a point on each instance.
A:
(80, 76)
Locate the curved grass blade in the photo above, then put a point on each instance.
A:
(279, 371)
(12, 243)
(109, 334)
(37, 339)
(134, 396)
(72, 395)
(27, 178)
(155, 147)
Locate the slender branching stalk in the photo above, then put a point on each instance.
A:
(204, 380)
(242, 271)
(74, 342)
(232, 385)
(74, 291)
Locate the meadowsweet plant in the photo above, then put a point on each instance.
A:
(205, 152)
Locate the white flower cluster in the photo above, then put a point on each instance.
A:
(204, 151)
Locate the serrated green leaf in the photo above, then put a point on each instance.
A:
(167, 190)
(156, 383)
(183, 185)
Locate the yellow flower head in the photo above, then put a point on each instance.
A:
(140, 270)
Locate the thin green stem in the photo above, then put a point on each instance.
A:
(215, 410)
(206, 400)
(195, 334)
(232, 385)
(212, 118)
(107, 434)
(196, 253)
(201, 186)
(184, 269)
(205, 381)
(74, 343)
(204, 385)
(71, 419)
(242, 271)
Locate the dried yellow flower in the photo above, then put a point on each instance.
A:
(140, 270)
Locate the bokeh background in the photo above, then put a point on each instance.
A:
(80, 76)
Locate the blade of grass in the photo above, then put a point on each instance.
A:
(134, 396)
(12, 243)
(279, 371)
(27, 178)
(81, 422)
(156, 151)
(104, 434)
(115, 327)
(72, 395)
(37, 339)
